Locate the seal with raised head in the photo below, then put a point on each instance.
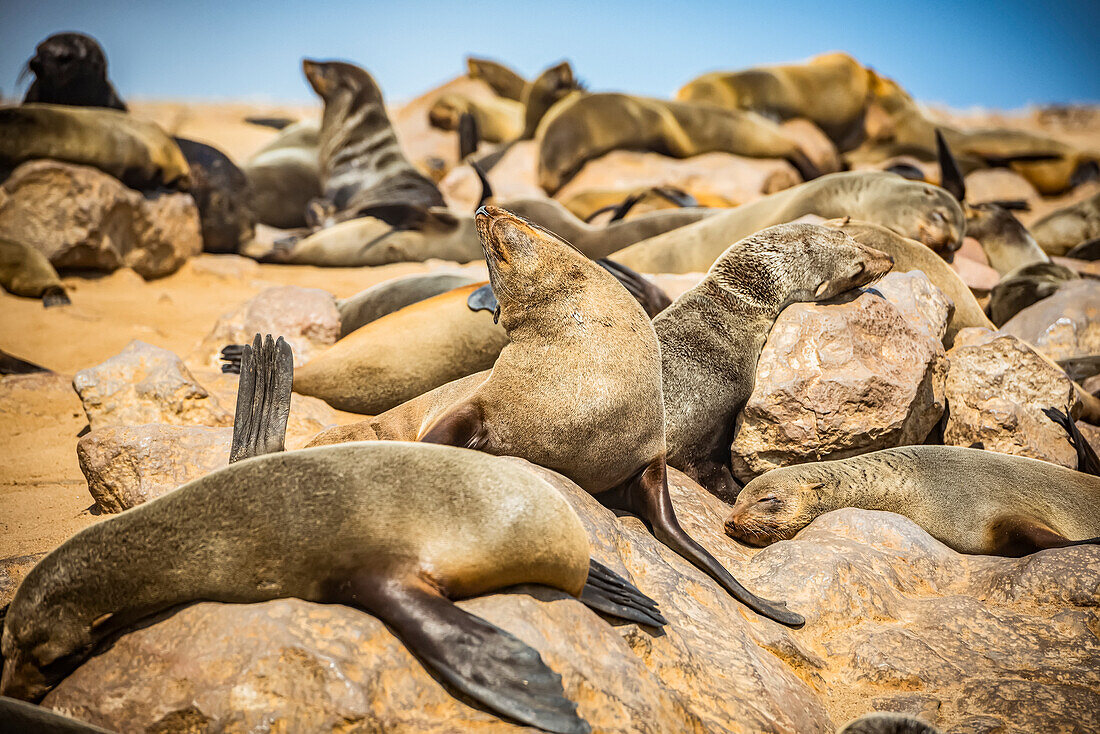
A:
(712, 335)
(830, 90)
(971, 500)
(913, 209)
(138, 153)
(577, 389)
(71, 69)
(25, 271)
(363, 168)
(398, 530)
(504, 81)
(587, 126)
(1062, 230)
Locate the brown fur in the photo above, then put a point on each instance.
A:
(1062, 230)
(498, 120)
(504, 81)
(24, 271)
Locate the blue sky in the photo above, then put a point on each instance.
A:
(993, 54)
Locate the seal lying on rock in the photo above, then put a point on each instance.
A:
(395, 529)
(712, 335)
(915, 210)
(362, 165)
(971, 500)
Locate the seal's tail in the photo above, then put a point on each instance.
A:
(608, 592)
(1087, 461)
(263, 398)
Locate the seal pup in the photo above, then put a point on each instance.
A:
(1062, 230)
(1018, 506)
(398, 530)
(830, 90)
(71, 69)
(711, 336)
(285, 176)
(916, 210)
(577, 389)
(504, 81)
(587, 126)
(362, 165)
(25, 271)
(138, 153)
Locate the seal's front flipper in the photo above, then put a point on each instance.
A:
(473, 656)
(647, 497)
(263, 398)
(1019, 535)
(608, 592)
(461, 426)
(12, 365)
(55, 296)
(1087, 461)
(483, 299)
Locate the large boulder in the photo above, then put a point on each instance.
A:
(146, 384)
(997, 387)
(716, 176)
(896, 621)
(306, 317)
(1065, 325)
(128, 465)
(79, 217)
(837, 380)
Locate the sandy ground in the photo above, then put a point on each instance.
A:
(43, 495)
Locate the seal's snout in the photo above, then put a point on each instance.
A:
(876, 263)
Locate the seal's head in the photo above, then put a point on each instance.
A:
(776, 505)
(336, 80)
(546, 89)
(68, 58)
(922, 212)
(790, 263)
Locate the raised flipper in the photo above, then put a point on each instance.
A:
(1019, 535)
(951, 177)
(483, 299)
(20, 717)
(1087, 461)
(55, 296)
(460, 426)
(486, 187)
(468, 136)
(263, 398)
(12, 365)
(646, 496)
(471, 655)
(608, 592)
(1003, 161)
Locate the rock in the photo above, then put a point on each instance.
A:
(306, 317)
(814, 143)
(146, 384)
(227, 267)
(896, 621)
(978, 277)
(725, 176)
(1065, 325)
(128, 465)
(972, 250)
(997, 387)
(840, 380)
(82, 218)
(998, 184)
(12, 571)
(513, 177)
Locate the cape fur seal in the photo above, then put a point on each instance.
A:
(543, 92)
(587, 126)
(71, 69)
(285, 176)
(25, 271)
(505, 82)
(138, 153)
(222, 195)
(711, 336)
(1007, 244)
(498, 120)
(393, 295)
(971, 500)
(830, 90)
(1064, 229)
(473, 525)
(916, 210)
(577, 389)
(362, 165)
(1024, 286)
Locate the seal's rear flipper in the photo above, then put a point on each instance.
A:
(804, 165)
(1019, 535)
(263, 398)
(608, 592)
(486, 187)
(1087, 461)
(55, 296)
(473, 656)
(231, 354)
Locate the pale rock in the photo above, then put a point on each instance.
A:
(1065, 325)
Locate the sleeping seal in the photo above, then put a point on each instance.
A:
(971, 500)
(1062, 230)
(285, 176)
(363, 167)
(504, 81)
(354, 534)
(711, 336)
(913, 209)
(25, 271)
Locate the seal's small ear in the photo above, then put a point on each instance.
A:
(468, 135)
(950, 176)
(101, 620)
(486, 187)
